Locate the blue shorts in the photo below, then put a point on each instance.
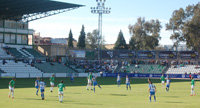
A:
(36, 87)
(152, 92)
(128, 84)
(118, 81)
(167, 85)
(41, 90)
(94, 83)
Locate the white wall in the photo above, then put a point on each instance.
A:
(44, 75)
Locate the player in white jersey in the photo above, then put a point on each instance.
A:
(128, 83)
(89, 78)
(152, 90)
(11, 88)
(192, 86)
(118, 80)
(168, 81)
(162, 80)
(42, 88)
(52, 80)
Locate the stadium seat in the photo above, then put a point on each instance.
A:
(19, 67)
(14, 52)
(3, 54)
(143, 69)
(182, 70)
(53, 67)
(33, 53)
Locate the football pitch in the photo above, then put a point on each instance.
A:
(110, 96)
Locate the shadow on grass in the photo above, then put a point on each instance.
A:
(75, 93)
(29, 98)
(30, 82)
(66, 102)
(118, 94)
(172, 102)
(171, 96)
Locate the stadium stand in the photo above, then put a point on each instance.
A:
(33, 52)
(53, 67)
(1, 71)
(193, 69)
(94, 66)
(3, 54)
(14, 52)
(24, 53)
(17, 67)
(143, 68)
(78, 69)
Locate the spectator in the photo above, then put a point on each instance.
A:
(136, 66)
(190, 75)
(4, 62)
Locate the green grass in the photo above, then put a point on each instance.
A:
(110, 96)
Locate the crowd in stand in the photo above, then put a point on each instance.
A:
(96, 66)
(137, 62)
(108, 65)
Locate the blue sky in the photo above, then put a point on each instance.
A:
(123, 13)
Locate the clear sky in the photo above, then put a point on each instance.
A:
(123, 13)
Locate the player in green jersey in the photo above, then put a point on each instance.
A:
(162, 80)
(192, 87)
(11, 88)
(52, 80)
(89, 81)
(61, 86)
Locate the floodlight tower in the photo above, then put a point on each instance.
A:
(100, 9)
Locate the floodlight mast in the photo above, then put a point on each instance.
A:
(100, 9)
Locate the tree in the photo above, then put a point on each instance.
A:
(145, 34)
(81, 39)
(70, 40)
(92, 39)
(192, 33)
(185, 26)
(121, 42)
(132, 44)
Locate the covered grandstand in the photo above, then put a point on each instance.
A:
(15, 15)
(29, 10)
(16, 51)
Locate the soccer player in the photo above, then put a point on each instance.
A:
(118, 80)
(152, 90)
(162, 80)
(192, 87)
(42, 88)
(89, 81)
(52, 79)
(128, 83)
(60, 91)
(95, 83)
(37, 85)
(72, 78)
(168, 84)
(11, 88)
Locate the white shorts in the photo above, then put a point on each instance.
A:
(11, 88)
(51, 83)
(89, 81)
(60, 92)
(162, 82)
(192, 86)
